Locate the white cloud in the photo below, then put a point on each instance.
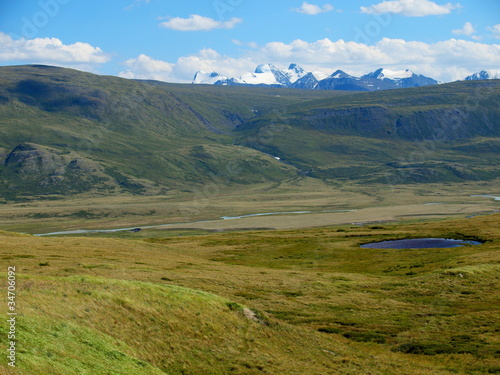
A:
(468, 30)
(495, 30)
(49, 50)
(312, 9)
(248, 44)
(445, 61)
(137, 3)
(410, 8)
(144, 67)
(184, 69)
(199, 23)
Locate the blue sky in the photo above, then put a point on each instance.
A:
(170, 40)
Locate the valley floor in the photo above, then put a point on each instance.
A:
(319, 203)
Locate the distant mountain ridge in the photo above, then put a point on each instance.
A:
(264, 75)
(484, 74)
(294, 76)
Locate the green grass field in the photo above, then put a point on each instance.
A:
(301, 301)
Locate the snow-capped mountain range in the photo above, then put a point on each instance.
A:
(265, 74)
(296, 77)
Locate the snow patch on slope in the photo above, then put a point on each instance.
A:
(395, 74)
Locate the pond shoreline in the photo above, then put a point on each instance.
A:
(420, 243)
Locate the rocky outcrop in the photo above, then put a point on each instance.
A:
(27, 160)
(43, 170)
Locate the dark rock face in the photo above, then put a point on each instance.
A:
(442, 125)
(28, 159)
(381, 122)
(368, 121)
(309, 81)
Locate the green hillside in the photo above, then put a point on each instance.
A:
(445, 133)
(65, 132)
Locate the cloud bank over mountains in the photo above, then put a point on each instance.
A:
(446, 61)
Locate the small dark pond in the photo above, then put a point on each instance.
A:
(419, 243)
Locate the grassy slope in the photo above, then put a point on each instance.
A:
(330, 306)
(143, 137)
(444, 133)
(131, 327)
(229, 106)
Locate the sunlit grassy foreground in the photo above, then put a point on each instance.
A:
(277, 302)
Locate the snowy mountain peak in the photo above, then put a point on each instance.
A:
(202, 77)
(484, 74)
(340, 74)
(296, 68)
(294, 73)
(265, 68)
(390, 74)
(264, 74)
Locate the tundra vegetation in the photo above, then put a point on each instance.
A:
(318, 302)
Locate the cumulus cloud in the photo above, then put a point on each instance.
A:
(49, 50)
(199, 23)
(410, 8)
(468, 30)
(144, 67)
(495, 30)
(312, 9)
(184, 69)
(446, 61)
(387, 52)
